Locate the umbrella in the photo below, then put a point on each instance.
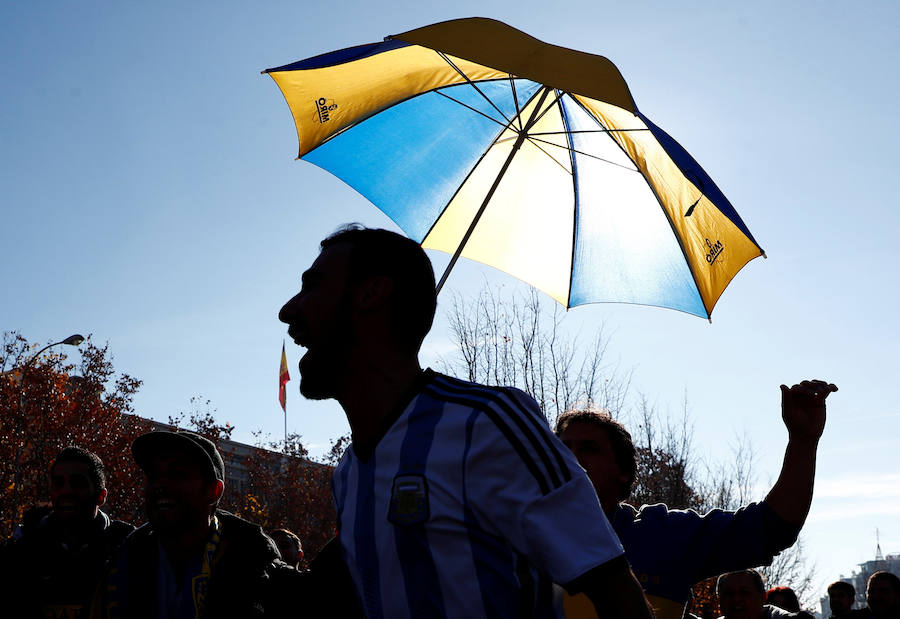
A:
(481, 141)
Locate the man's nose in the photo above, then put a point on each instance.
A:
(287, 310)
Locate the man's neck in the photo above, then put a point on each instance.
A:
(183, 546)
(373, 393)
(76, 533)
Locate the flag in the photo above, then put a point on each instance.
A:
(283, 378)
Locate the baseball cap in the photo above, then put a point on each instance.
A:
(146, 446)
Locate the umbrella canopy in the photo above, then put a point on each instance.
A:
(481, 141)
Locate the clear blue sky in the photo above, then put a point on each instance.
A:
(150, 196)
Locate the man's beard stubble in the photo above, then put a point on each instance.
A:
(323, 367)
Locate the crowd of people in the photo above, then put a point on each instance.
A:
(454, 499)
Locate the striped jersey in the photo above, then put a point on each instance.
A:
(468, 507)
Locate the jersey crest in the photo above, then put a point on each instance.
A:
(409, 500)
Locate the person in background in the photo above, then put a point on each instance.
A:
(785, 599)
(289, 547)
(883, 596)
(672, 550)
(841, 597)
(742, 595)
(191, 559)
(54, 567)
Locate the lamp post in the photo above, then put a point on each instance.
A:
(72, 340)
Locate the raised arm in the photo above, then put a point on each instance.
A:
(803, 412)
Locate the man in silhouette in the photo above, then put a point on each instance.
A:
(454, 499)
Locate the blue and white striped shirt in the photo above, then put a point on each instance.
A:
(468, 507)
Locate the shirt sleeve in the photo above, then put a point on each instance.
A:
(694, 547)
(525, 486)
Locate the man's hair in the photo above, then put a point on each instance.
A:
(291, 536)
(844, 586)
(620, 439)
(755, 576)
(381, 252)
(788, 594)
(96, 471)
(888, 576)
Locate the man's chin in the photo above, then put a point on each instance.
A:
(316, 389)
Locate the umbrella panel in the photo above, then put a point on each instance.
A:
(410, 159)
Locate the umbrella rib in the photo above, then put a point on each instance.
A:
(550, 106)
(659, 201)
(554, 159)
(586, 131)
(473, 85)
(497, 139)
(512, 85)
(477, 111)
(580, 152)
(576, 201)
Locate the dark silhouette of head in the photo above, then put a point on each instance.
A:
(883, 594)
(382, 252)
(368, 289)
(289, 546)
(184, 479)
(742, 594)
(841, 596)
(77, 484)
(784, 598)
(618, 439)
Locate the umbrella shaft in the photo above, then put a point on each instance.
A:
(512, 153)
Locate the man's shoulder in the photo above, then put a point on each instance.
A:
(490, 399)
(247, 537)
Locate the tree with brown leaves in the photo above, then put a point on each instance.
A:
(49, 403)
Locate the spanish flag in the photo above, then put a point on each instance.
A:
(283, 378)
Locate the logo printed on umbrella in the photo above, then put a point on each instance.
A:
(324, 107)
(714, 251)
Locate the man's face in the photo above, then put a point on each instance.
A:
(840, 602)
(72, 493)
(881, 597)
(591, 446)
(319, 319)
(739, 597)
(178, 497)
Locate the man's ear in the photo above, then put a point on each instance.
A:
(217, 489)
(374, 292)
(101, 497)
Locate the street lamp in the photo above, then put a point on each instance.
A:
(72, 340)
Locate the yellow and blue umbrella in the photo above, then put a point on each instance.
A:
(481, 141)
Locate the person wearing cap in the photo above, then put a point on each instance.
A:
(191, 559)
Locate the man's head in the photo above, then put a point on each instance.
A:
(883, 594)
(604, 449)
(741, 594)
(841, 596)
(185, 479)
(359, 274)
(784, 598)
(77, 485)
(288, 545)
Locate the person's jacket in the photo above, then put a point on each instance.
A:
(244, 576)
(41, 576)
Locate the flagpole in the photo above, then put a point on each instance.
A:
(283, 378)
